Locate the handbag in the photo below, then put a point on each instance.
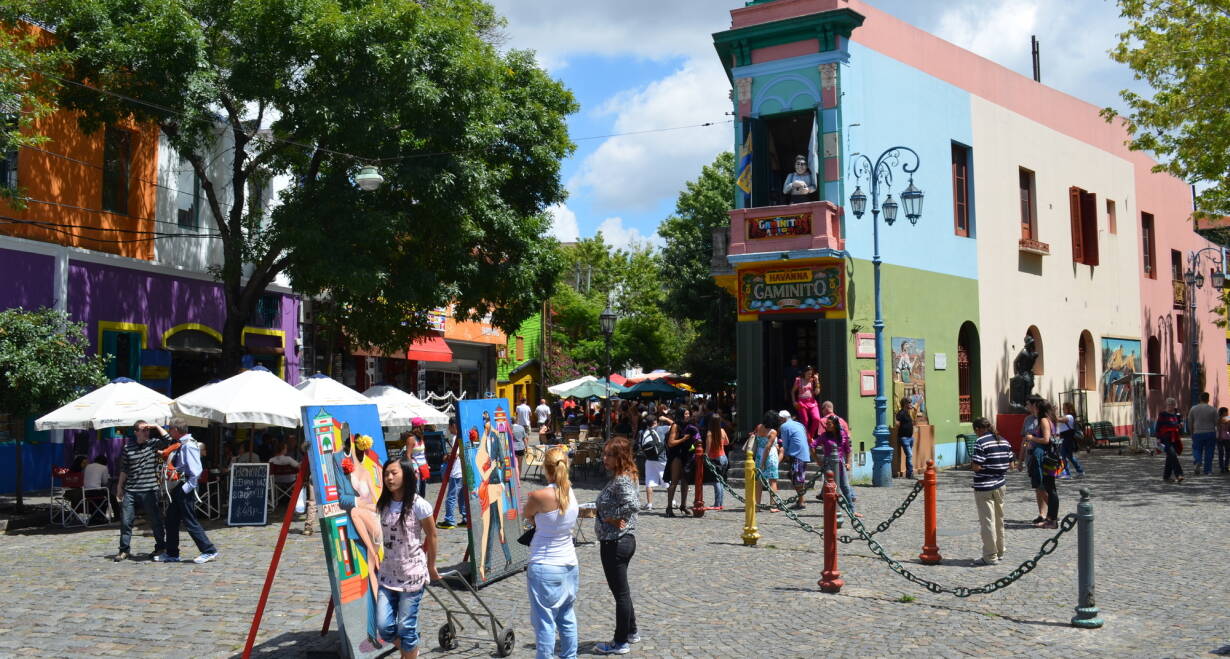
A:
(527, 537)
(1051, 460)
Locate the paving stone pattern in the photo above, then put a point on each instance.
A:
(1161, 578)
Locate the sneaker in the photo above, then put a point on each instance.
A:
(163, 558)
(612, 648)
(445, 525)
(205, 558)
(670, 512)
(648, 506)
(634, 637)
(982, 561)
(1065, 477)
(122, 556)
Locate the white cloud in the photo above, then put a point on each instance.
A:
(638, 171)
(639, 28)
(615, 234)
(563, 224)
(997, 32)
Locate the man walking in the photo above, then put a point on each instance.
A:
(1202, 424)
(794, 443)
(543, 412)
(523, 414)
(138, 486)
(991, 460)
(187, 462)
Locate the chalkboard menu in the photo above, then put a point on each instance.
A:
(249, 495)
(434, 447)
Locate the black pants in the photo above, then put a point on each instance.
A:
(1052, 497)
(615, 557)
(183, 510)
(1173, 468)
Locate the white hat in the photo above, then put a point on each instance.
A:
(784, 414)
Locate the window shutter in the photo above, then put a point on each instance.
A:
(1089, 226)
(1078, 242)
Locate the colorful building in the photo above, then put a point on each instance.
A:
(1036, 220)
(519, 369)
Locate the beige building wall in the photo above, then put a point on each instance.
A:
(1051, 292)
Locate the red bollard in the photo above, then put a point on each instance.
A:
(931, 550)
(698, 503)
(830, 579)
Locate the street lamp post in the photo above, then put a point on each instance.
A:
(881, 173)
(1195, 281)
(607, 320)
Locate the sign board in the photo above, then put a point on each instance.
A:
(778, 226)
(493, 489)
(348, 477)
(790, 289)
(249, 498)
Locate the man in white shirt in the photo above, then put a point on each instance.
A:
(96, 475)
(543, 412)
(280, 459)
(523, 414)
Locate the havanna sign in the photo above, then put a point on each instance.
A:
(792, 289)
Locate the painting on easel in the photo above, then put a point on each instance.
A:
(493, 489)
(347, 480)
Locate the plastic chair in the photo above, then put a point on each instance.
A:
(278, 491)
(534, 457)
(68, 500)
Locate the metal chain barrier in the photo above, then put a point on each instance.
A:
(1048, 547)
(735, 492)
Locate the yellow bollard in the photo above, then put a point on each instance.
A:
(750, 534)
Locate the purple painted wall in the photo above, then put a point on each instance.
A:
(107, 293)
(28, 280)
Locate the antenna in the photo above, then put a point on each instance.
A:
(1033, 42)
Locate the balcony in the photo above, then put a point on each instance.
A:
(790, 228)
(1034, 247)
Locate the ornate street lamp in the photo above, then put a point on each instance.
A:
(369, 178)
(881, 173)
(607, 321)
(1194, 279)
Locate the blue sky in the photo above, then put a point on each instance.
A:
(637, 65)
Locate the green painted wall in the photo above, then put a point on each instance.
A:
(922, 305)
(531, 333)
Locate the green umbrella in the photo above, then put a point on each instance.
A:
(653, 390)
(594, 389)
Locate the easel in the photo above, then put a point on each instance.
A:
(287, 520)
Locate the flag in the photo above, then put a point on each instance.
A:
(744, 179)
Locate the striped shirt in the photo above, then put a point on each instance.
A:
(140, 463)
(994, 455)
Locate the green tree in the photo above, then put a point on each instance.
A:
(468, 139)
(44, 364)
(1179, 48)
(690, 293)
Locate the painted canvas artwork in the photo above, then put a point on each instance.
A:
(909, 364)
(493, 486)
(1120, 361)
(347, 480)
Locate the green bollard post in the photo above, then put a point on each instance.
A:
(1086, 610)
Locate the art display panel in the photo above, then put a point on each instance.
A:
(493, 487)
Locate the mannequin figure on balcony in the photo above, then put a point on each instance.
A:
(801, 184)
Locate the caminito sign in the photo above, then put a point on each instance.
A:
(779, 226)
(787, 289)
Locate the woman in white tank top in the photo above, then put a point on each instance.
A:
(553, 574)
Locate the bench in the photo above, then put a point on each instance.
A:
(1104, 435)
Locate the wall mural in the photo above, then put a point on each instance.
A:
(1120, 360)
(347, 478)
(909, 364)
(493, 485)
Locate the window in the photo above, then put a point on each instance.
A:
(268, 311)
(117, 162)
(1112, 222)
(1084, 211)
(8, 159)
(520, 348)
(1180, 328)
(1029, 208)
(1153, 353)
(1146, 231)
(777, 140)
(1084, 362)
(188, 199)
(960, 190)
(124, 348)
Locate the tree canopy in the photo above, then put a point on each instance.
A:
(43, 361)
(1179, 47)
(468, 139)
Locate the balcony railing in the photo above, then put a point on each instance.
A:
(794, 227)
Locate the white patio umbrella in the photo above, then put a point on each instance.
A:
(324, 390)
(255, 396)
(398, 408)
(120, 403)
(560, 388)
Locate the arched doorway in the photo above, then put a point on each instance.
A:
(1037, 337)
(969, 390)
(1086, 376)
(196, 356)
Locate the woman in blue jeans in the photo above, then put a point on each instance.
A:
(409, 556)
(553, 573)
(905, 434)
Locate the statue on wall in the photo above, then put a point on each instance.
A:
(1022, 385)
(801, 184)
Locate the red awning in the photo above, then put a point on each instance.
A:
(432, 349)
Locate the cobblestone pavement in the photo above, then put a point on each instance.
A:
(1160, 575)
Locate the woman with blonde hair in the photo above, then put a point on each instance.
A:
(553, 573)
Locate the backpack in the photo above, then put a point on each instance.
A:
(650, 446)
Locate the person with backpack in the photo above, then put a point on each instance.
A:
(651, 448)
(1070, 432)
(680, 447)
(990, 461)
(1043, 462)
